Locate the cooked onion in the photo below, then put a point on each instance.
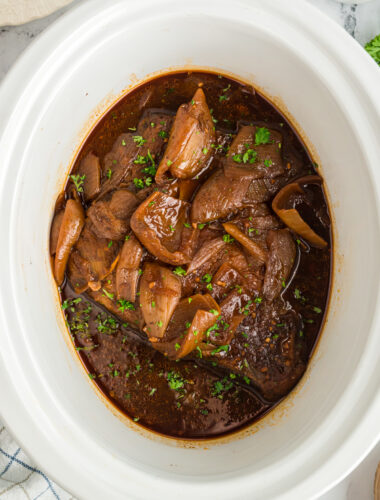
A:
(127, 270)
(160, 291)
(69, 232)
(251, 246)
(291, 216)
(192, 318)
(189, 147)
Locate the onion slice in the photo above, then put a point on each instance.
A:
(160, 291)
(127, 270)
(189, 326)
(189, 147)
(291, 216)
(69, 232)
(251, 246)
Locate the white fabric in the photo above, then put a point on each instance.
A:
(14, 12)
(20, 479)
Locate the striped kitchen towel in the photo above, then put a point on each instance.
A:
(20, 479)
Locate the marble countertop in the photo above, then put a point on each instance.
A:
(363, 23)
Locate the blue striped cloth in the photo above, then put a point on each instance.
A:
(20, 479)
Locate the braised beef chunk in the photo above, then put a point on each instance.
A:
(282, 253)
(133, 153)
(92, 260)
(255, 153)
(218, 197)
(159, 223)
(194, 238)
(267, 352)
(110, 216)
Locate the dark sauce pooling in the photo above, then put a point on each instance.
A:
(193, 299)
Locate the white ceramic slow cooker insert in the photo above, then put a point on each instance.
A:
(48, 104)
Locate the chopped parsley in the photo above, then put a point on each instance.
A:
(139, 140)
(373, 48)
(228, 238)
(78, 181)
(106, 324)
(139, 183)
(125, 305)
(221, 348)
(175, 381)
(108, 294)
(179, 271)
(262, 136)
(221, 386)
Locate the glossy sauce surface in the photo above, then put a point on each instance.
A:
(199, 397)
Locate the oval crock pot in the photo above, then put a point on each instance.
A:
(318, 75)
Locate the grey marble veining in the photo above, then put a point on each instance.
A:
(360, 21)
(15, 39)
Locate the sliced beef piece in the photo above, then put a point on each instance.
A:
(110, 216)
(90, 169)
(225, 279)
(189, 147)
(243, 179)
(282, 254)
(257, 192)
(150, 138)
(213, 255)
(117, 165)
(256, 153)
(92, 259)
(264, 352)
(234, 309)
(129, 155)
(219, 197)
(207, 253)
(158, 223)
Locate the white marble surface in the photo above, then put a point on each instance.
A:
(363, 23)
